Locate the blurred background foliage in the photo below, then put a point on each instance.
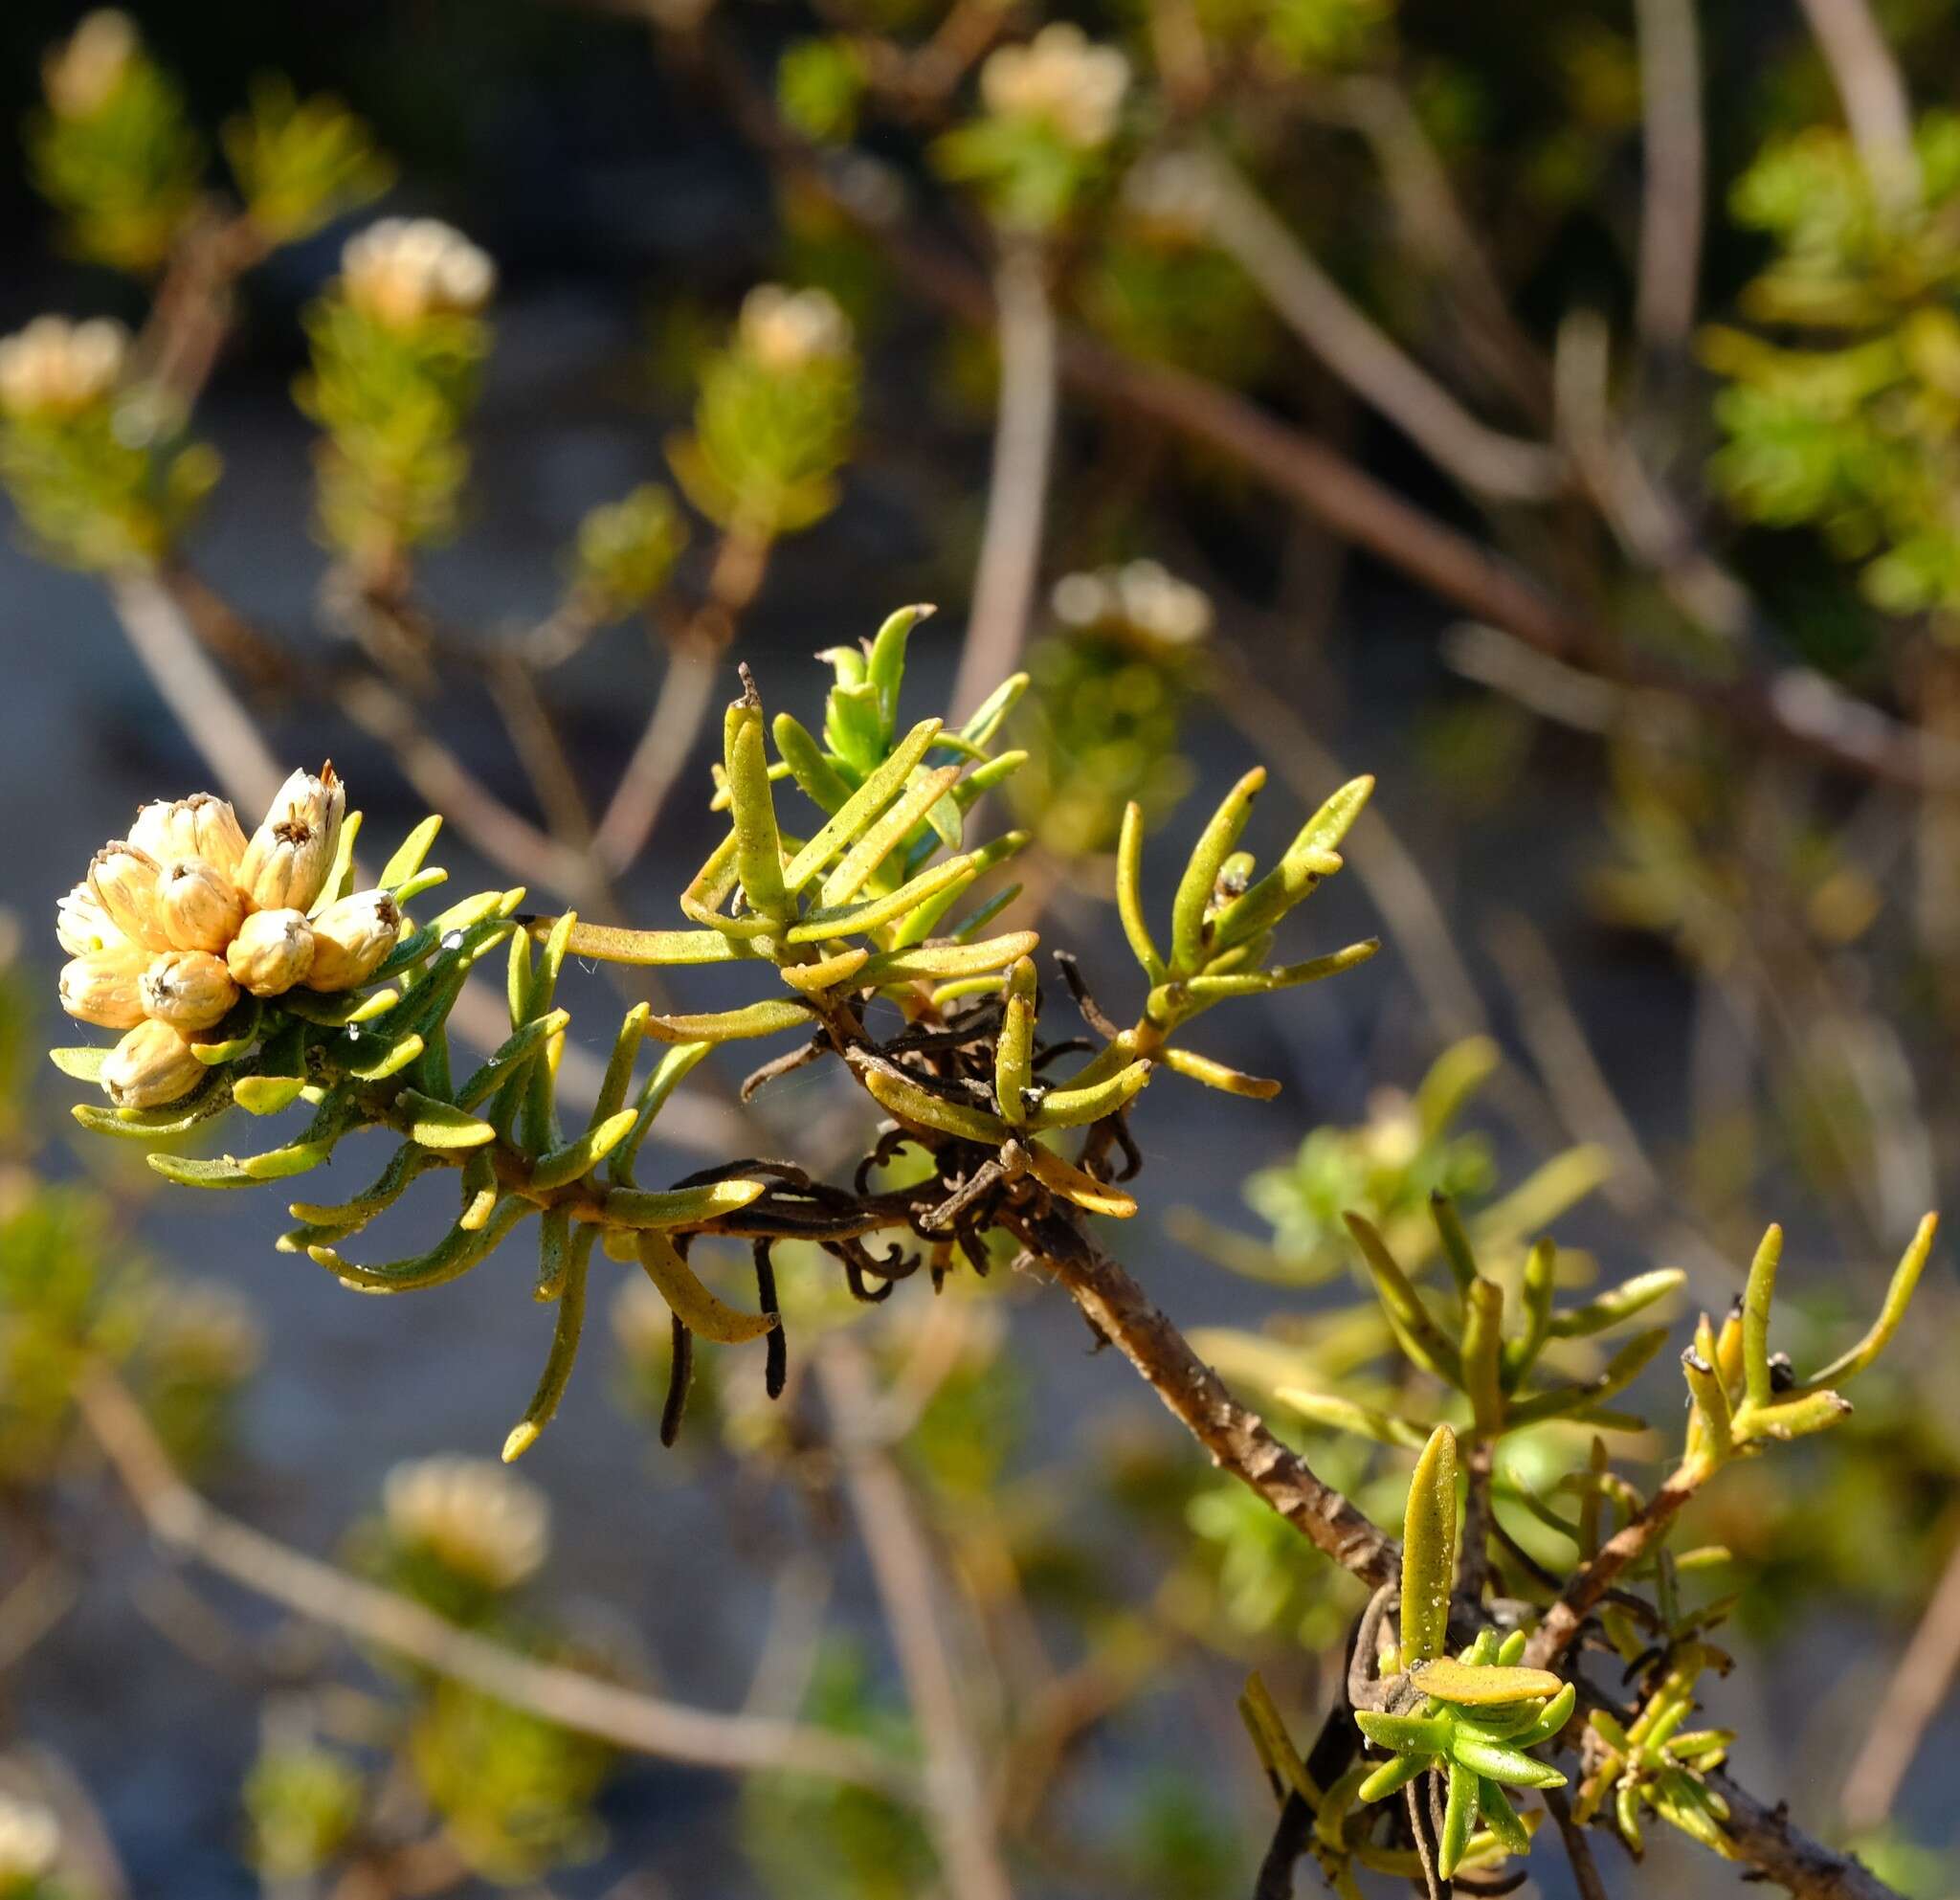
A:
(1739, 995)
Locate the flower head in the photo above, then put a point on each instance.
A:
(174, 922)
(1060, 80)
(1142, 598)
(29, 1844)
(402, 271)
(472, 1516)
(55, 367)
(787, 330)
(83, 73)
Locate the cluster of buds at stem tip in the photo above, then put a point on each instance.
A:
(476, 1519)
(184, 917)
(55, 367)
(29, 1844)
(1059, 81)
(401, 272)
(787, 330)
(85, 72)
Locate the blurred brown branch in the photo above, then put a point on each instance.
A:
(185, 1524)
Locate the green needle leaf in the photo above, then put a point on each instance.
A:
(681, 1207)
(440, 1124)
(1756, 1298)
(453, 1256)
(1483, 1685)
(568, 1324)
(1129, 894)
(1192, 900)
(1074, 1107)
(770, 1018)
(408, 855)
(758, 845)
(697, 1308)
(1898, 1297)
(1015, 1047)
(577, 1158)
(1508, 1765)
(1429, 1550)
(1460, 1812)
(913, 1102)
(854, 818)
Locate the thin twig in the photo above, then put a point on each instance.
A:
(1877, 105)
(506, 838)
(908, 1588)
(1234, 1436)
(1566, 1617)
(213, 720)
(1319, 313)
(1918, 1686)
(1584, 1098)
(687, 688)
(1424, 195)
(1777, 1848)
(1673, 157)
(1017, 488)
(184, 1522)
(1578, 1850)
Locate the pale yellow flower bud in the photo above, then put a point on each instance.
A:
(102, 987)
(1060, 80)
(125, 881)
(471, 1516)
(201, 908)
(29, 1842)
(352, 938)
(150, 1066)
(188, 989)
(200, 826)
(402, 271)
(287, 859)
(83, 926)
(82, 74)
(272, 952)
(787, 330)
(57, 369)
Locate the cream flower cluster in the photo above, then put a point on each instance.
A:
(176, 921)
(29, 1844)
(1141, 596)
(473, 1516)
(82, 74)
(787, 330)
(402, 271)
(58, 367)
(1062, 80)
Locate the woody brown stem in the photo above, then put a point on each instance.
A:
(1234, 1436)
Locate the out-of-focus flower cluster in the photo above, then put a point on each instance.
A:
(471, 1516)
(177, 922)
(114, 149)
(773, 420)
(1060, 81)
(86, 455)
(1051, 110)
(398, 345)
(30, 1849)
(1110, 687)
